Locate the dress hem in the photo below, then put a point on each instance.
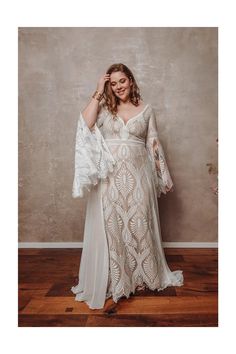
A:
(177, 280)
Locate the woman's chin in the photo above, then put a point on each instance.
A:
(123, 98)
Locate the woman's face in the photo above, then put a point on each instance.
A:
(120, 85)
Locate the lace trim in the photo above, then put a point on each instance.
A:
(175, 279)
(93, 159)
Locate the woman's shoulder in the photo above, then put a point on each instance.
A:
(147, 108)
(145, 104)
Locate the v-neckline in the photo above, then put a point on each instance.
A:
(138, 114)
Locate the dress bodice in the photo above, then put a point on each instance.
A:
(114, 127)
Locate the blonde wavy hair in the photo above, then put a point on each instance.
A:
(111, 101)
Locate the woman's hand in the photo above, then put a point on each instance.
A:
(101, 82)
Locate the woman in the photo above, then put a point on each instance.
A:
(120, 161)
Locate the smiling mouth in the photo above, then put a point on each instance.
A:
(119, 92)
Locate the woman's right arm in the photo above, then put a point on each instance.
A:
(91, 111)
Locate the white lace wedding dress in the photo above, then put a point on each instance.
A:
(123, 168)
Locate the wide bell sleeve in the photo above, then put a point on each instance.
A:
(161, 174)
(93, 160)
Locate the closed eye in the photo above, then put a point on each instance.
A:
(122, 81)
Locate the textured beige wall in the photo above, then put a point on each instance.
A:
(176, 69)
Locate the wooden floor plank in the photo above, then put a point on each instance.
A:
(161, 320)
(52, 321)
(140, 305)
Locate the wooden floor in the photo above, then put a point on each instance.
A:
(45, 298)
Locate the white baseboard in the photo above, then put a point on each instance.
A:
(80, 244)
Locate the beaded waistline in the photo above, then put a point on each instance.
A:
(124, 141)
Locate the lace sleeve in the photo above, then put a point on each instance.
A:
(102, 114)
(156, 154)
(93, 160)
